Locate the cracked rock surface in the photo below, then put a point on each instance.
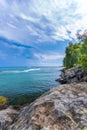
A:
(7, 116)
(61, 108)
(75, 74)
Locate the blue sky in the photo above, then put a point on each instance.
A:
(36, 32)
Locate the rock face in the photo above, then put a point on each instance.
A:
(7, 117)
(72, 75)
(61, 108)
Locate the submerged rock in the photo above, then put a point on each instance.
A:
(61, 108)
(3, 102)
(72, 75)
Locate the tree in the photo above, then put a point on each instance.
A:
(73, 51)
(83, 56)
(76, 53)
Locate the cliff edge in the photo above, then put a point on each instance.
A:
(75, 74)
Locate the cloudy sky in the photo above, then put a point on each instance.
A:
(36, 32)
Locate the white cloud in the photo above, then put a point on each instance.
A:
(54, 56)
(49, 59)
(11, 25)
(32, 31)
(27, 17)
(42, 20)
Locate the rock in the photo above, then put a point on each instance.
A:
(7, 116)
(72, 75)
(61, 108)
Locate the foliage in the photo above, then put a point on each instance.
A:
(83, 61)
(73, 52)
(83, 57)
(76, 53)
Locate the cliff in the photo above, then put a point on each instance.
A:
(61, 108)
(76, 74)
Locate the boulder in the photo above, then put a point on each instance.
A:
(7, 117)
(61, 108)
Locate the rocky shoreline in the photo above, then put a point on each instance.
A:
(62, 108)
(76, 75)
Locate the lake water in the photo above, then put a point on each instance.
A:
(24, 84)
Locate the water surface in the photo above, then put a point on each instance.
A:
(24, 84)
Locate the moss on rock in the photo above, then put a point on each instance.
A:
(3, 102)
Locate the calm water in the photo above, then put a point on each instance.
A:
(24, 84)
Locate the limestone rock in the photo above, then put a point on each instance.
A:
(72, 75)
(61, 108)
(7, 117)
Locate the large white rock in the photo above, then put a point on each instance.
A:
(61, 108)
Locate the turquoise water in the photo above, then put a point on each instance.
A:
(24, 84)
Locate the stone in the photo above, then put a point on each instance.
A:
(7, 116)
(61, 108)
(72, 75)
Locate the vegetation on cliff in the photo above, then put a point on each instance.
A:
(76, 53)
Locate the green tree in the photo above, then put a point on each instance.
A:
(72, 53)
(76, 53)
(83, 57)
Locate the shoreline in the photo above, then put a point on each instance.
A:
(75, 74)
(63, 104)
(17, 86)
(70, 99)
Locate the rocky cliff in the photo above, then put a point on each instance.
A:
(76, 74)
(61, 108)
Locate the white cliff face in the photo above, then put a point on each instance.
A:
(61, 108)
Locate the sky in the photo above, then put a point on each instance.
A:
(36, 32)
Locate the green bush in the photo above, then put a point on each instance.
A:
(73, 52)
(83, 62)
(76, 54)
